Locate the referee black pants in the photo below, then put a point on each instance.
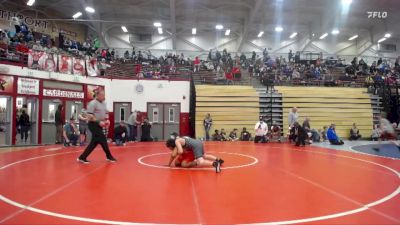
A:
(98, 137)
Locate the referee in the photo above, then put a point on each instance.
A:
(97, 117)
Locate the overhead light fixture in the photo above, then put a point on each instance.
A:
(160, 31)
(260, 34)
(219, 27)
(346, 2)
(30, 2)
(293, 35)
(354, 37)
(77, 15)
(313, 35)
(323, 36)
(89, 9)
(157, 24)
(227, 32)
(335, 32)
(194, 30)
(124, 29)
(382, 39)
(278, 29)
(387, 35)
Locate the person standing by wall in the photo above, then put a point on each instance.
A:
(207, 122)
(83, 126)
(292, 118)
(132, 125)
(25, 125)
(97, 114)
(59, 122)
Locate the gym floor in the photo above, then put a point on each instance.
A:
(274, 183)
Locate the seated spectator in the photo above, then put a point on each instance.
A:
(376, 133)
(120, 134)
(233, 135)
(275, 132)
(70, 133)
(312, 134)
(245, 135)
(354, 133)
(146, 130)
(332, 136)
(261, 130)
(216, 136)
(323, 133)
(224, 137)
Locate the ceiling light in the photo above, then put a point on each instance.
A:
(157, 24)
(89, 9)
(260, 34)
(323, 36)
(313, 35)
(30, 2)
(354, 37)
(387, 35)
(194, 30)
(335, 32)
(124, 29)
(278, 29)
(219, 27)
(160, 31)
(227, 32)
(77, 15)
(346, 2)
(293, 35)
(382, 39)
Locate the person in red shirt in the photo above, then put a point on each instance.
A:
(196, 64)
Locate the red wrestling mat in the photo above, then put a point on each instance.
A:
(260, 183)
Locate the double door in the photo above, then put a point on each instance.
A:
(71, 108)
(30, 106)
(164, 118)
(6, 121)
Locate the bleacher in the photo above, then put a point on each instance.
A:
(230, 107)
(342, 106)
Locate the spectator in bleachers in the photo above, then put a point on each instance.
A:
(261, 131)
(332, 136)
(245, 135)
(216, 136)
(207, 123)
(354, 133)
(196, 64)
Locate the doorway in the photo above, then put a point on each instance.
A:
(30, 106)
(6, 122)
(164, 118)
(49, 108)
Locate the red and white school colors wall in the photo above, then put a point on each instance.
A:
(139, 93)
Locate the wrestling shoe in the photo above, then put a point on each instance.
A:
(217, 166)
(84, 161)
(113, 160)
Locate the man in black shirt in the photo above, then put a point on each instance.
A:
(59, 122)
(120, 134)
(146, 128)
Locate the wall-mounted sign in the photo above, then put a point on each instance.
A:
(63, 94)
(6, 84)
(28, 86)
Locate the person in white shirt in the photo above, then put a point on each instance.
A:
(261, 130)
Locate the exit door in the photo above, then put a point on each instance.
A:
(164, 118)
(6, 122)
(122, 111)
(49, 108)
(73, 109)
(30, 106)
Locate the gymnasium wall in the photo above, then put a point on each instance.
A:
(123, 90)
